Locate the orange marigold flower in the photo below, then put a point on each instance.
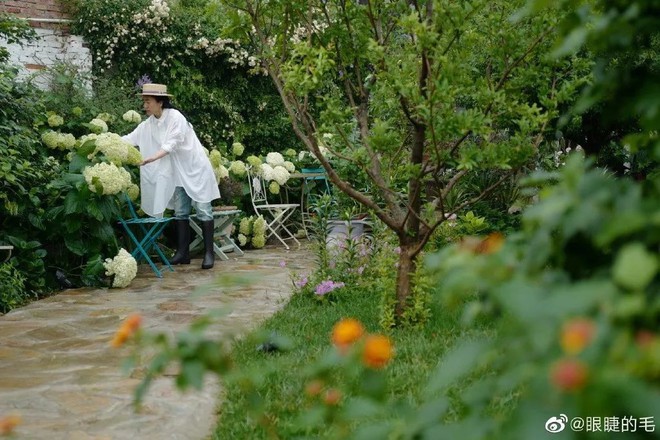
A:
(332, 397)
(133, 322)
(314, 388)
(377, 351)
(346, 332)
(576, 334)
(130, 325)
(645, 338)
(9, 423)
(491, 244)
(569, 374)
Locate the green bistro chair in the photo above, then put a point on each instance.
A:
(149, 229)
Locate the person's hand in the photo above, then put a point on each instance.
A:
(146, 161)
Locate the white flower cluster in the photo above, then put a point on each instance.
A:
(237, 148)
(274, 159)
(301, 31)
(217, 162)
(307, 156)
(106, 117)
(238, 56)
(278, 173)
(87, 137)
(55, 120)
(259, 232)
(220, 172)
(155, 14)
(98, 125)
(57, 140)
(123, 267)
(132, 116)
(255, 227)
(111, 178)
(238, 168)
(117, 150)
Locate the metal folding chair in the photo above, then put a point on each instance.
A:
(276, 214)
(150, 229)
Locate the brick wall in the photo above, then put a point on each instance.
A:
(55, 44)
(38, 9)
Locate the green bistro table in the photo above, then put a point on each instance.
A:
(309, 177)
(223, 217)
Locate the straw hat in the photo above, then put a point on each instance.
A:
(155, 90)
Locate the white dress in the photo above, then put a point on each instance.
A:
(186, 165)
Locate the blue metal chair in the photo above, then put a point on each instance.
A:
(150, 229)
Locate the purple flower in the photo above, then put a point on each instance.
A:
(144, 79)
(327, 286)
(302, 282)
(282, 263)
(397, 250)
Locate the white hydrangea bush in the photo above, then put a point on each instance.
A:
(111, 178)
(117, 150)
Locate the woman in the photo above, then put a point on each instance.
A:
(175, 171)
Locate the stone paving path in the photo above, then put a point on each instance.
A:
(59, 373)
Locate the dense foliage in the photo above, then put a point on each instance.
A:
(415, 98)
(24, 169)
(214, 80)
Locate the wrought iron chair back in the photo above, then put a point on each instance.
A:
(149, 230)
(277, 213)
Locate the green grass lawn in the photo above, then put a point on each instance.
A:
(308, 323)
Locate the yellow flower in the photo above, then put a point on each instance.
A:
(346, 332)
(576, 335)
(377, 351)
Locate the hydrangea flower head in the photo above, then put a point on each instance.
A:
(237, 148)
(123, 266)
(55, 120)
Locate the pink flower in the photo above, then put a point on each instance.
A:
(282, 263)
(302, 282)
(327, 286)
(397, 250)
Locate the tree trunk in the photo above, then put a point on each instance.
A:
(404, 277)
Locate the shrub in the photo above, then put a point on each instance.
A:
(12, 288)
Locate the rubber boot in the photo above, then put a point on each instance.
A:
(209, 255)
(182, 255)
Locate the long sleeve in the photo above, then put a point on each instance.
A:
(176, 131)
(133, 136)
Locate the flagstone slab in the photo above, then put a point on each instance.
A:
(60, 374)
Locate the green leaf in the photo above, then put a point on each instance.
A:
(459, 362)
(572, 42)
(78, 163)
(378, 430)
(75, 244)
(361, 407)
(634, 267)
(192, 374)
